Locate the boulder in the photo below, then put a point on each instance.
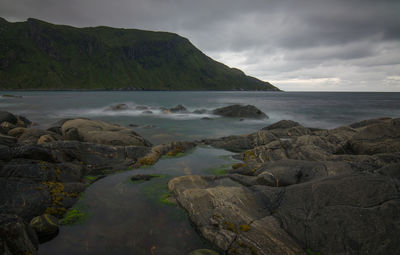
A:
(23, 122)
(32, 135)
(231, 216)
(7, 126)
(8, 117)
(178, 108)
(380, 136)
(16, 132)
(119, 107)
(96, 131)
(45, 226)
(240, 111)
(45, 139)
(283, 124)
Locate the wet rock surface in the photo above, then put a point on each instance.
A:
(302, 190)
(240, 111)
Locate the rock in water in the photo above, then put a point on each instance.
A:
(240, 111)
(143, 177)
(46, 227)
(119, 107)
(178, 108)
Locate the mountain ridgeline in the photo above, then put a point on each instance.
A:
(39, 55)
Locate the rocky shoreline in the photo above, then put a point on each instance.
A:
(302, 191)
(299, 190)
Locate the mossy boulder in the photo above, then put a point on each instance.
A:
(45, 226)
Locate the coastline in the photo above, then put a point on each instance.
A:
(281, 157)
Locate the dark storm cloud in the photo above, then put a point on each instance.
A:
(320, 42)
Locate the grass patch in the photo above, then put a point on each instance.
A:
(221, 170)
(73, 216)
(310, 252)
(165, 199)
(152, 175)
(177, 155)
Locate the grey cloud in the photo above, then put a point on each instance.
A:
(349, 40)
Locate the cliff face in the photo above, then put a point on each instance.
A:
(39, 55)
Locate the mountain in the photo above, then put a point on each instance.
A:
(38, 55)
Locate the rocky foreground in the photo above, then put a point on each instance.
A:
(43, 172)
(299, 190)
(302, 191)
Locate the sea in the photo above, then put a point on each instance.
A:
(122, 217)
(311, 109)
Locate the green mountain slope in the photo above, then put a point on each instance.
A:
(39, 55)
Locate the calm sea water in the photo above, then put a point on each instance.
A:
(314, 109)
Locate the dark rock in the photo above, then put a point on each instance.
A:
(240, 111)
(7, 126)
(119, 107)
(5, 153)
(45, 226)
(178, 108)
(206, 118)
(8, 117)
(14, 236)
(32, 152)
(23, 122)
(32, 136)
(147, 112)
(142, 177)
(344, 214)
(56, 130)
(7, 140)
(133, 125)
(283, 124)
(378, 137)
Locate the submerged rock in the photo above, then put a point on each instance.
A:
(143, 177)
(240, 111)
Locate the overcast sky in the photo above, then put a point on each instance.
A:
(327, 45)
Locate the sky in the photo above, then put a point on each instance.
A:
(297, 45)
